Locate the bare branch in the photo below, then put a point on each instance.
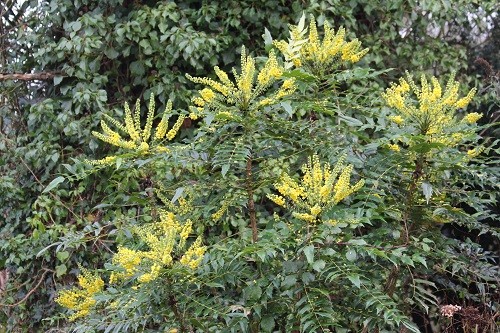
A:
(29, 76)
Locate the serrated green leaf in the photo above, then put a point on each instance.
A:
(309, 253)
(355, 279)
(318, 265)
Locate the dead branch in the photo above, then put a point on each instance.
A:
(29, 76)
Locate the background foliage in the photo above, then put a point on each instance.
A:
(103, 53)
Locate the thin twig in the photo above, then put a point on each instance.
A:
(29, 76)
(29, 292)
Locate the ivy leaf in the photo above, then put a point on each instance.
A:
(57, 79)
(252, 292)
(351, 255)
(267, 323)
(63, 255)
(61, 270)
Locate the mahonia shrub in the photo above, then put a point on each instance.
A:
(282, 212)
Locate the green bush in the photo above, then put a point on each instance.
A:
(104, 53)
(251, 221)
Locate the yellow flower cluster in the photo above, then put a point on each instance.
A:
(394, 147)
(164, 239)
(246, 91)
(472, 118)
(138, 137)
(397, 120)
(319, 55)
(81, 300)
(435, 109)
(321, 187)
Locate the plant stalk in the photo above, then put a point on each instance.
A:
(251, 202)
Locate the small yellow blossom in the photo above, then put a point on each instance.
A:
(472, 153)
(397, 119)
(472, 117)
(394, 147)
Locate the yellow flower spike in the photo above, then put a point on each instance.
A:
(141, 140)
(150, 276)
(129, 124)
(221, 211)
(270, 71)
(223, 77)
(146, 133)
(313, 34)
(173, 131)
(394, 147)
(137, 116)
(186, 230)
(436, 91)
(463, 102)
(162, 127)
(315, 210)
(304, 217)
(472, 153)
(108, 131)
(319, 56)
(168, 221)
(128, 259)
